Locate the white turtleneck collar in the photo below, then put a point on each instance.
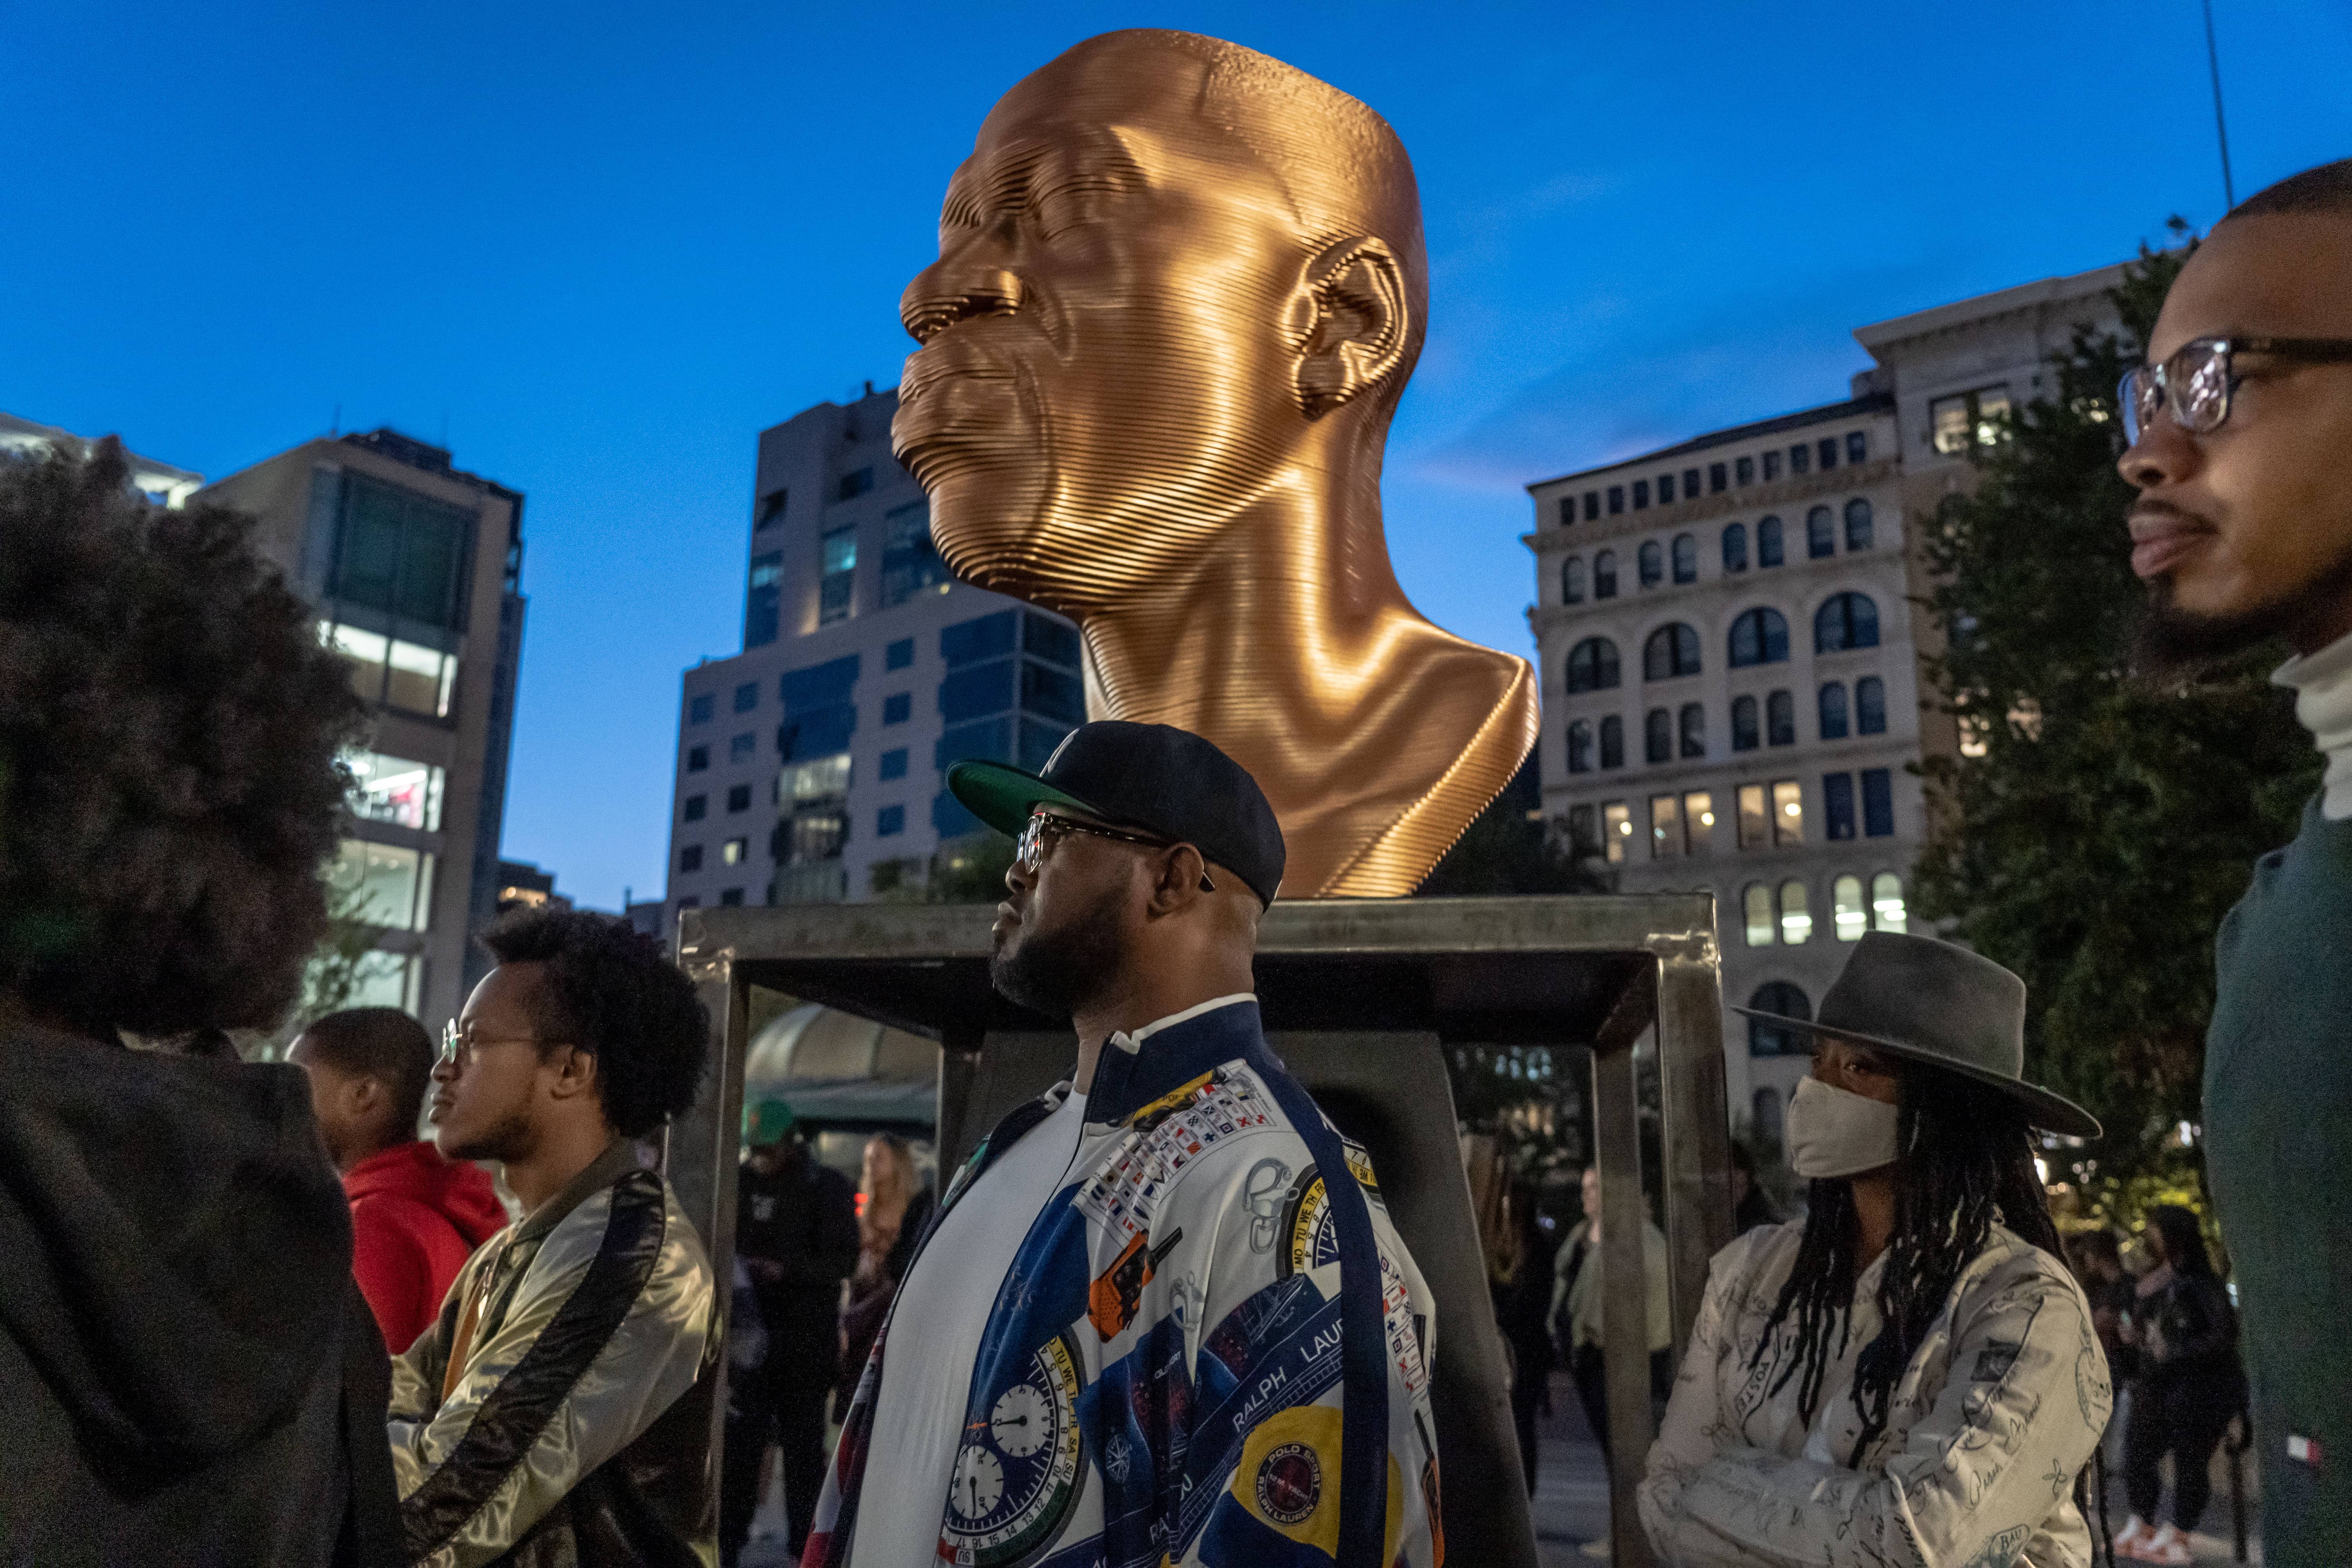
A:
(2322, 683)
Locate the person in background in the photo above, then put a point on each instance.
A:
(187, 1368)
(896, 1208)
(2098, 1265)
(1578, 1289)
(1909, 1375)
(2189, 1388)
(1749, 1208)
(796, 1232)
(415, 1217)
(559, 1410)
(2238, 424)
(1522, 1310)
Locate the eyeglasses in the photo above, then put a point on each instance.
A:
(2196, 383)
(460, 1050)
(1042, 831)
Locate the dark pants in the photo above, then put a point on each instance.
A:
(1527, 1393)
(1593, 1388)
(2186, 1417)
(784, 1401)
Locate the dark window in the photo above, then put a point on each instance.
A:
(690, 857)
(1760, 636)
(1825, 450)
(1780, 719)
(1800, 459)
(1837, 803)
(691, 901)
(1877, 803)
(696, 807)
(1870, 706)
(1039, 740)
(747, 697)
(982, 636)
(854, 484)
(1592, 666)
(980, 689)
(1665, 490)
(1572, 580)
(1579, 746)
(738, 798)
(894, 764)
(1052, 693)
(1857, 524)
(1820, 534)
(990, 740)
(1616, 499)
(1833, 710)
(1658, 736)
(909, 563)
(1772, 466)
(1735, 547)
(1653, 557)
(1766, 1038)
(1690, 484)
(770, 513)
(1857, 446)
(1746, 469)
(899, 654)
(699, 708)
(762, 599)
(1567, 511)
(948, 817)
(1745, 736)
(1056, 642)
(731, 897)
(890, 820)
(836, 575)
(1847, 621)
(1591, 505)
(742, 748)
(402, 553)
(1671, 652)
(898, 708)
(698, 758)
(1613, 742)
(1768, 543)
(1691, 724)
(1604, 574)
(1641, 494)
(1685, 558)
(819, 713)
(1718, 479)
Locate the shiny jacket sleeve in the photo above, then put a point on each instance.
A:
(2022, 1404)
(606, 1329)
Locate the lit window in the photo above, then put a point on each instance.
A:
(1886, 902)
(763, 600)
(836, 575)
(1845, 904)
(1755, 817)
(1788, 812)
(1763, 929)
(1745, 734)
(1768, 550)
(1820, 534)
(394, 789)
(1833, 710)
(734, 851)
(1735, 547)
(1858, 530)
(1968, 420)
(1685, 558)
(1699, 820)
(1837, 804)
(1616, 829)
(823, 779)
(1666, 827)
(382, 979)
(384, 884)
(1796, 922)
(397, 674)
(1870, 706)
(1652, 559)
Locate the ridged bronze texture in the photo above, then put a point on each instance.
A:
(1180, 286)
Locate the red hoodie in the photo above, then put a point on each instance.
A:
(416, 1219)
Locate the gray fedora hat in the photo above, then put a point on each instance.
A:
(1928, 1001)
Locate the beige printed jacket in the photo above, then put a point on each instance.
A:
(1990, 1423)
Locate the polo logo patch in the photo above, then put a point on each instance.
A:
(1289, 1483)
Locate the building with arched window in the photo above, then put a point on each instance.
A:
(1671, 653)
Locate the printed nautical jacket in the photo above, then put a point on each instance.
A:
(1988, 1426)
(1207, 1351)
(576, 1433)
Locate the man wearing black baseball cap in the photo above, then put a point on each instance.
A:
(1163, 1314)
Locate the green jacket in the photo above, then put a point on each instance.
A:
(1575, 1290)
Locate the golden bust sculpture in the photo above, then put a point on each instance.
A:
(1180, 286)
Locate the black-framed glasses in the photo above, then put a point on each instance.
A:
(2196, 383)
(460, 1049)
(1043, 829)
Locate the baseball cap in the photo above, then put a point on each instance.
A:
(1167, 782)
(766, 1122)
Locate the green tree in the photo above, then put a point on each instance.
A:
(2107, 822)
(1508, 848)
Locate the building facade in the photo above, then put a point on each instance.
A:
(1730, 654)
(810, 766)
(161, 483)
(415, 568)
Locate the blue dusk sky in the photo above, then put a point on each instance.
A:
(595, 248)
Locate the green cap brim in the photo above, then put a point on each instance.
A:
(1003, 797)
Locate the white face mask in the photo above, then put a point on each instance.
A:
(1832, 1131)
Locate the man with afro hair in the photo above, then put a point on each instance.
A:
(187, 1367)
(559, 1409)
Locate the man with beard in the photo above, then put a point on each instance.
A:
(1163, 1315)
(559, 1409)
(2238, 426)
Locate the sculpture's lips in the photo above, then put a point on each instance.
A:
(949, 390)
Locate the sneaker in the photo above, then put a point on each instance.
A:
(2166, 1546)
(1597, 1550)
(2131, 1538)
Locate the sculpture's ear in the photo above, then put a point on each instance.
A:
(1359, 319)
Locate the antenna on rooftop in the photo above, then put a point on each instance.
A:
(2221, 127)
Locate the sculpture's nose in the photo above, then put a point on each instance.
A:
(947, 292)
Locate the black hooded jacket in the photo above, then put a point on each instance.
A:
(188, 1374)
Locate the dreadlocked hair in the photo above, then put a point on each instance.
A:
(1967, 1158)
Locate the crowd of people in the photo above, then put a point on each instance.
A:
(248, 1316)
